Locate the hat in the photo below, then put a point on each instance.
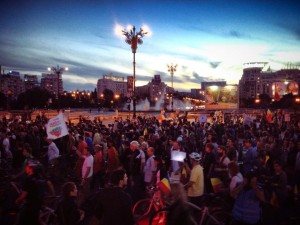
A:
(195, 156)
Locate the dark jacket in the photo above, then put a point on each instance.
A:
(68, 212)
(113, 207)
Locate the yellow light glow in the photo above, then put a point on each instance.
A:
(147, 30)
(129, 27)
(214, 88)
(118, 30)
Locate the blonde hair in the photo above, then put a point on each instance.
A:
(177, 193)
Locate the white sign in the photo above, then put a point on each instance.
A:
(56, 127)
(178, 156)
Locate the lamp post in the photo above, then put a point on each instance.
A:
(172, 70)
(58, 72)
(134, 38)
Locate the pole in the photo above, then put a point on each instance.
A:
(172, 103)
(57, 85)
(134, 100)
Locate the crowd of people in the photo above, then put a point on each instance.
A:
(102, 171)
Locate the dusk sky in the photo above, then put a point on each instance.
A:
(209, 40)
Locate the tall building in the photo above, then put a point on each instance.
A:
(114, 83)
(11, 84)
(51, 83)
(255, 81)
(30, 81)
(154, 89)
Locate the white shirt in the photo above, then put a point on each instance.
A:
(88, 162)
(235, 181)
(53, 151)
(6, 144)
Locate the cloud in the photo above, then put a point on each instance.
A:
(237, 34)
(214, 65)
(294, 29)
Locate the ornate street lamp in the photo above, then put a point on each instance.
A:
(58, 71)
(172, 70)
(134, 38)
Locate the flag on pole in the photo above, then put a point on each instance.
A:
(217, 184)
(164, 186)
(56, 127)
(269, 116)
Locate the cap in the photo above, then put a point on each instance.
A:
(195, 156)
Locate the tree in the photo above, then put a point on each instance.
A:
(108, 97)
(3, 101)
(34, 98)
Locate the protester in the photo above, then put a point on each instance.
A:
(113, 204)
(68, 212)
(86, 173)
(195, 186)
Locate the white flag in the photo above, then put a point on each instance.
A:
(56, 127)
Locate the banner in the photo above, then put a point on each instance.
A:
(221, 97)
(56, 127)
(178, 156)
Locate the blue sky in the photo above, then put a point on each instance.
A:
(208, 39)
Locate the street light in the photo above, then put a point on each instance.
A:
(172, 70)
(134, 38)
(58, 71)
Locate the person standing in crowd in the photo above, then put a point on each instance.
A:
(175, 165)
(89, 141)
(136, 175)
(81, 146)
(247, 208)
(68, 212)
(31, 195)
(232, 152)
(99, 167)
(112, 157)
(236, 177)
(280, 191)
(86, 173)
(195, 186)
(150, 168)
(113, 204)
(208, 164)
(179, 212)
(249, 157)
(221, 167)
(161, 170)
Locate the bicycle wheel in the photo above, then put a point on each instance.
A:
(142, 208)
(218, 217)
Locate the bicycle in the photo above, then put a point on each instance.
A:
(144, 208)
(214, 211)
(207, 216)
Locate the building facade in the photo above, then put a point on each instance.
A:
(30, 81)
(52, 83)
(255, 81)
(11, 84)
(154, 89)
(114, 83)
